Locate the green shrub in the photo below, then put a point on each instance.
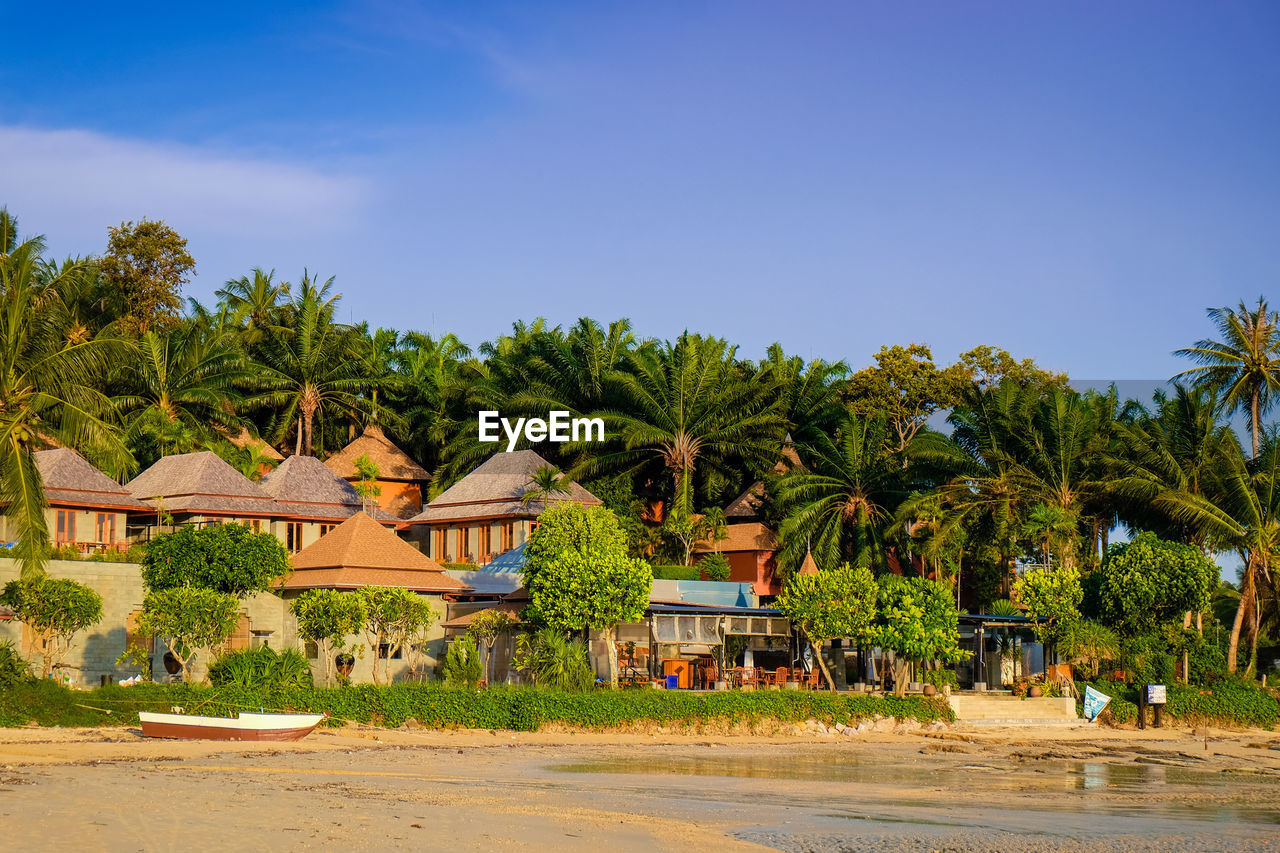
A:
(1227, 703)
(677, 573)
(14, 669)
(942, 677)
(555, 661)
(435, 706)
(462, 666)
(462, 567)
(261, 668)
(715, 567)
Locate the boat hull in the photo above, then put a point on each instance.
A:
(247, 727)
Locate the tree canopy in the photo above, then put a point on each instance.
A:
(228, 558)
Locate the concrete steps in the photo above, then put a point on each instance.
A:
(1004, 709)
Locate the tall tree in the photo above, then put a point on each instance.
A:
(311, 369)
(840, 509)
(255, 301)
(147, 264)
(683, 411)
(1244, 366)
(49, 385)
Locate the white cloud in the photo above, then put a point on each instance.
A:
(61, 182)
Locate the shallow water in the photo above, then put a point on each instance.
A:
(1068, 787)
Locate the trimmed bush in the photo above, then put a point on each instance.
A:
(519, 708)
(677, 573)
(1226, 703)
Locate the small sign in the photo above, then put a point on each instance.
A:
(1156, 694)
(1094, 702)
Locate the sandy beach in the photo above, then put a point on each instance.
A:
(358, 788)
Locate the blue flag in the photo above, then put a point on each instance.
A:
(1094, 702)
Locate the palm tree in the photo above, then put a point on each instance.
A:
(1176, 449)
(255, 300)
(312, 369)
(683, 410)
(1241, 505)
(841, 509)
(191, 376)
(1244, 367)
(808, 396)
(545, 483)
(49, 381)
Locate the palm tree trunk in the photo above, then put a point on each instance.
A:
(307, 415)
(1246, 596)
(1254, 421)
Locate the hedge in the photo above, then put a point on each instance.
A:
(1232, 703)
(518, 708)
(677, 573)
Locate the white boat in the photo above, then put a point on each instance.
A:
(241, 727)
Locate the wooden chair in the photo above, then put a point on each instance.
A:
(781, 676)
(750, 677)
(813, 679)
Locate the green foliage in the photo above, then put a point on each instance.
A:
(554, 661)
(838, 602)
(14, 669)
(517, 708)
(188, 619)
(227, 558)
(1052, 597)
(918, 621)
(395, 618)
(1228, 703)
(462, 666)
(941, 677)
(1087, 644)
(1149, 581)
(677, 573)
(261, 669)
(461, 567)
(367, 471)
(579, 575)
(1147, 659)
(715, 566)
(327, 617)
(1003, 607)
(54, 609)
(147, 264)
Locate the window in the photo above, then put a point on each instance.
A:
(508, 536)
(384, 648)
(106, 529)
(293, 536)
(312, 650)
(66, 526)
(464, 544)
(255, 524)
(486, 541)
(325, 528)
(438, 549)
(133, 638)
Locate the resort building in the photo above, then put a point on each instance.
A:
(312, 500)
(200, 488)
(486, 512)
(87, 511)
(401, 481)
(362, 552)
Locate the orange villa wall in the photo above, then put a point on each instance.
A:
(396, 494)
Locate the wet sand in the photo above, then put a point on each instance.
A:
(365, 789)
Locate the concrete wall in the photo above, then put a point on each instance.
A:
(94, 652)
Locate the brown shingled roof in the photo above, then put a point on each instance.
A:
(751, 501)
(69, 479)
(495, 489)
(750, 536)
(246, 440)
(361, 552)
(203, 483)
(393, 463)
(306, 487)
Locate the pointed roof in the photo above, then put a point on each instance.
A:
(201, 482)
(751, 501)
(808, 567)
(247, 440)
(361, 552)
(743, 536)
(69, 479)
(495, 490)
(306, 487)
(393, 463)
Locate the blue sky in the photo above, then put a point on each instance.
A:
(1075, 182)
